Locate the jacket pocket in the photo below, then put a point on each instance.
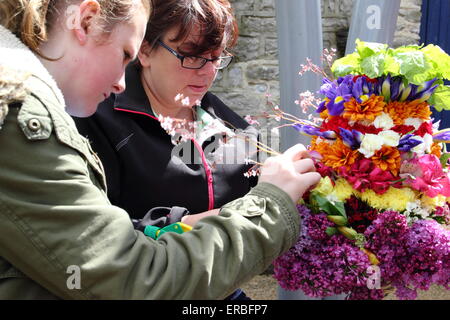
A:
(249, 206)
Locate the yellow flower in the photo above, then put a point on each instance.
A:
(393, 199)
(343, 190)
(432, 203)
(324, 187)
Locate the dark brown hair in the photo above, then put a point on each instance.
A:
(218, 26)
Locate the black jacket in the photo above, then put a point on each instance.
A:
(137, 155)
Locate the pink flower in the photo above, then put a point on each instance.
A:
(425, 174)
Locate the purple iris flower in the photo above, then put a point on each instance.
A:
(442, 136)
(328, 88)
(413, 92)
(408, 142)
(351, 139)
(386, 87)
(395, 89)
(322, 106)
(357, 89)
(425, 93)
(329, 135)
(309, 130)
(337, 92)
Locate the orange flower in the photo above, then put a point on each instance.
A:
(336, 155)
(367, 110)
(436, 149)
(324, 114)
(387, 158)
(400, 111)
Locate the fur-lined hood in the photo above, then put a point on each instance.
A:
(18, 63)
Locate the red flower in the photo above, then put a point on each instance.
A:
(425, 128)
(403, 129)
(324, 170)
(366, 129)
(360, 214)
(334, 123)
(363, 175)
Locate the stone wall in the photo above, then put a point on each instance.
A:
(243, 86)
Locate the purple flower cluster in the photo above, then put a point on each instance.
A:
(321, 265)
(387, 238)
(429, 256)
(411, 258)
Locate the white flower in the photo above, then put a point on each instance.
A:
(370, 143)
(383, 121)
(415, 122)
(178, 97)
(186, 102)
(414, 210)
(390, 138)
(332, 198)
(425, 146)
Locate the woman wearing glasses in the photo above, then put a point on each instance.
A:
(185, 45)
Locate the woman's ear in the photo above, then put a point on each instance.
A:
(88, 11)
(144, 54)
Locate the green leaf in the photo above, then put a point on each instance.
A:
(368, 49)
(391, 66)
(439, 59)
(413, 65)
(320, 203)
(444, 159)
(441, 98)
(373, 66)
(331, 231)
(346, 65)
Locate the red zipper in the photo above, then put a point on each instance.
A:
(137, 112)
(209, 176)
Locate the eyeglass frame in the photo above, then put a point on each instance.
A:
(205, 60)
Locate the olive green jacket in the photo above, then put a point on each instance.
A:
(61, 238)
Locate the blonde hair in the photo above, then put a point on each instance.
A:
(31, 20)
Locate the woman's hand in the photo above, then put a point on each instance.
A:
(293, 172)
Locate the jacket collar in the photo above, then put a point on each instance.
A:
(17, 56)
(134, 98)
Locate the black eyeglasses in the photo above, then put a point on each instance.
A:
(194, 62)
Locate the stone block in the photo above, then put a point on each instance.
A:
(247, 48)
(252, 25)
(271, 48)
(262, 71)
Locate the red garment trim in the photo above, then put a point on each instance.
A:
(209, 176)
(137, 112)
